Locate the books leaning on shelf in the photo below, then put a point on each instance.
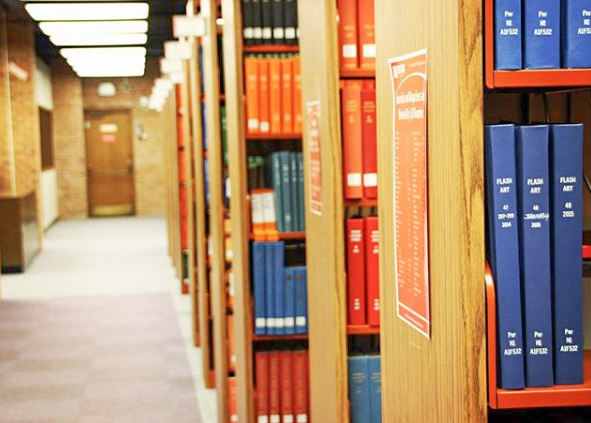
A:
(365, 388)
(281, 379)
(270, 22)
(534, 207)
(357, 48)
(363, 283)
(279, 292)
(542, 34)
(273, 94)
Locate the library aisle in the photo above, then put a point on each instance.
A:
(94, 331)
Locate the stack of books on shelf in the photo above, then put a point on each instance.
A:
(282, 391)
(363, 275)
(270, 22)
(534, 206)
(279, 292)
(365, 388)
(357, 48)
(273, 95)
(542, 34)
(358, 117)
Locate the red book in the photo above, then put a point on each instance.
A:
(232, 400)
(352, 141)
(287, 96)
(301, 390)
(251, 73)
(274, 388)
(262, 386)
(297, 96)
(348, 38)
(182, 168)
(286, 370)
(356, 271)
(367, 34)
(369, 84)
(264, 100)
(275, 95)
(372, 269)
(370, 144)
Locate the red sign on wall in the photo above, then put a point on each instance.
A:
(314, 157)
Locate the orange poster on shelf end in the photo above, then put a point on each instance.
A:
(314, 157)
(411, 224)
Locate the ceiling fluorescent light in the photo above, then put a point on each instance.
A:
(110, 73)
(124, 53)
(99, 40)
(87, 11)
(112, 67)
(94, 28)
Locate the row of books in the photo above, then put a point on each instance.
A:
(277, 192)
(280, 292)
(358, 121)
(534, 207)
(270, 22)
(365, 388)
(363, 272)
(542, 34)
(357, 45)
(273, 95)
(282, 389)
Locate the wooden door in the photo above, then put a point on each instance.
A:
(109, 158)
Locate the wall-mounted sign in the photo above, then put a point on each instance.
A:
(188, 26)
(108, 138)
(314, 157)
(178, 50)
(170, 66)
(411, 227)
(107, 128)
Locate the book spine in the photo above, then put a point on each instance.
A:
(278, 22)
(232, 400)
(278, 285)
(290, 20)
(259, 288)
(262, 386)
(274, 388)
(264, 110)
(534, 210)
(270, 288)
(508, 35)
(257, 214)
(367, 34)
(276, 178)
(275, 95)
(566, 152)
(269, 214)
(359, 396)
(301, 199)
(577, 34)
(286, 370)
(356, 272)
(372, 268)
(352, 141)
(301, 300)
(289, 291)
(297, 96)
(257, 21)
(300, 386)
(231, 351)
(375, 388)
(293, 191)
(501, 196)
(267, 9)
(285, 191)
(224, 133)
(287, 96)
(348, 38)
(247, 22)
(542, 22)
(370, 143)
(251, 69)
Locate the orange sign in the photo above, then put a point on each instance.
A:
(314, 157)
(411, 226)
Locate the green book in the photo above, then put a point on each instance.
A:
(275, 173)
(293, 190)
(301, 199)
(286, 181)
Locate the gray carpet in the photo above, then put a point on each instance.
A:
(114, 359)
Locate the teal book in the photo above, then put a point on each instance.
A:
(224, 125)
(275, 177)
(293, 190)
(285, 191)
(301, 199)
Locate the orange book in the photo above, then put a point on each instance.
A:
(275, 95)
(369, 84)
(367, 34)
(352, 141)
(348, 38)
(264, 109)
(297, 96)
(287, 96)
(251, 73)
(231, 351)
(232, 400)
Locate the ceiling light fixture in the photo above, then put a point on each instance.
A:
(87, 11)
(95, 52)
(99, 40)
(94, 27)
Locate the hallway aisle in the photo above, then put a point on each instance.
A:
(95, 331)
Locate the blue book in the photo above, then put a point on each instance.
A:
(508, 34)
(289, 295)
(278, 284)
(577, 34)
(301, 300)
(206, 180)
(258, 283)
(359, 396)
(566, 158)
(269, 288)
(534, 229)
(204, 125)
(542, 22)
(503, 251)
(301, 199)
(375, 388)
